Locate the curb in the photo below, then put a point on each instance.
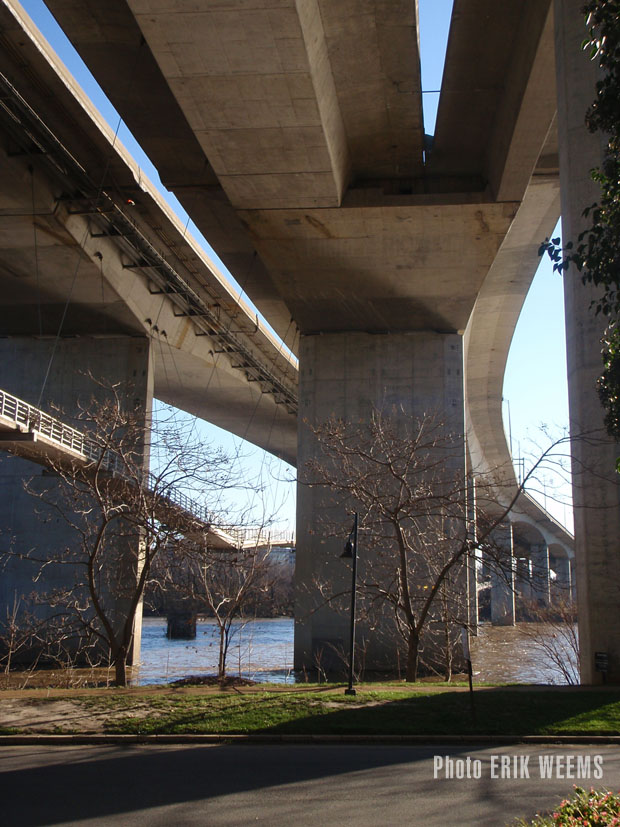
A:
(387, 740)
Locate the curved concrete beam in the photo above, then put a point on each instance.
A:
(494, 319)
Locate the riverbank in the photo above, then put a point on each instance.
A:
(307, 710)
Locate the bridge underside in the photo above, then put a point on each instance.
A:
(88, 248)
(294, 138)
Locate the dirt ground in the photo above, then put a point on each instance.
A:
(48, 701)
(55, 709)
(38, 715)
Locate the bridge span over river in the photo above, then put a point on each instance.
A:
(394, 266)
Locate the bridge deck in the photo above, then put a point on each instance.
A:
(32, 434)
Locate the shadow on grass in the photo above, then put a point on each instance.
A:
(498, 711)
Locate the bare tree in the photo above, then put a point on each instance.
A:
(18, 632)
(406, 478)
(119, 518)
(553, 634)
(225, 584)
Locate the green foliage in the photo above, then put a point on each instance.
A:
(308, 710)
(589, 808)
(609, 381)
(597, 254)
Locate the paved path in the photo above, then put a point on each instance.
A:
(321, 785)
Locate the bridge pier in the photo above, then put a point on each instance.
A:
(29, 525)
(596, 493)
(347, 376)
(503, 578)
(541, 581)
(562, 586)
(524, 577)
(181, 625)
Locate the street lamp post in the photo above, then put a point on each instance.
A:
(350, 551)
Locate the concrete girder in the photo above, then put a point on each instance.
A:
(76, 250)
(183, 65)
(497, 99)
(244, 78)
(493, 321)
(525, 119)
(111, 43)
(373, 50)
(331, 89)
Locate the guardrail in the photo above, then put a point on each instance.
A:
(251, 537)
(185, 503)
(26, 418)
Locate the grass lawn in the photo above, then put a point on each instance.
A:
(499, 711)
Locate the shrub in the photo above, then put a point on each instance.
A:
(582, 808)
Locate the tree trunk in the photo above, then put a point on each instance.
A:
(120, 668)
(411, 675)
(448, 674)
(221, 669)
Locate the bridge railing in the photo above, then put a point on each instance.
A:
(259, 536)
(182, 501)
(30, 419)
(27, 418)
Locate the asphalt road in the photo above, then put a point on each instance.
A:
(365, 786)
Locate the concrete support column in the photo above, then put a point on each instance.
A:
(24, 363)
(181, 626)
(503, 578)
(596, 494)
(562, 584)
(541, 580)
(347, 376)
(523, 581)
(474, 560)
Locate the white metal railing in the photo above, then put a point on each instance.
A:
(182, 501)
(27, 418)
(252, 536)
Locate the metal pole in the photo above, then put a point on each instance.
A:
(350, 690)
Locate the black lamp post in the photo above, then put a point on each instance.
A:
(350, 551)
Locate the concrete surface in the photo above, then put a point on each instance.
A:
(348, 377)
(280, 785)
(596, 487)
(294, 132)
(62, 257)
(31, 493)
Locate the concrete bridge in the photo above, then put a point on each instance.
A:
(294, 138)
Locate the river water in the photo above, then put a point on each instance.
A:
(262, 649)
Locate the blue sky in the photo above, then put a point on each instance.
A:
(535, 384)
